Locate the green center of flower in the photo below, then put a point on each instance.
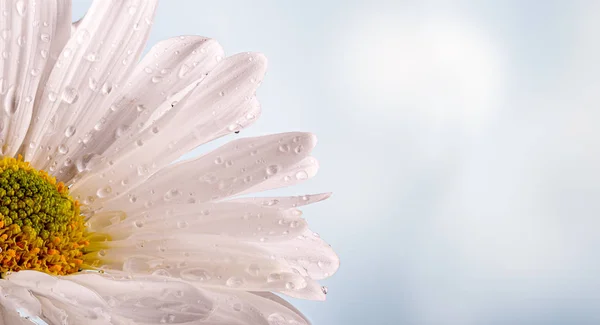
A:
(41, 227)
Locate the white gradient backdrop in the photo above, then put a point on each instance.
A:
(460, 139)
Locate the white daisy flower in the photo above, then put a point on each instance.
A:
(97, 225)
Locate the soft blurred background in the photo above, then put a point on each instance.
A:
(460, 139)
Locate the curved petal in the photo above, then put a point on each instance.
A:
(149, 300)
(169, 67)
(224, 172)
(94, 61)
(32, 36)
(62, 299)
(206, 108)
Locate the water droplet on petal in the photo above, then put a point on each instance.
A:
(69, 131)
(70, 95)
(272, 170)
(63, 149)
(106, 88)
(284, 147)
(253, 269)
(195, 274)
(92, 57)
(21, 8)
(104, 191)
(52, 96)
(301, 175)
(82, 36)
(234, 282)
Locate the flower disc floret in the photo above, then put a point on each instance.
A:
(41, 227)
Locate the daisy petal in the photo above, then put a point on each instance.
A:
(285, 202)
(79, 304)
(224, 172)
(243, 308)
(96, 60)
(303, 170)
(246, 221)
(31, 40)
(19, 306)
(169, 67)
(148, 299)
(275, 298)
(207, 109)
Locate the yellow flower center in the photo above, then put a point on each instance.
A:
(41, 227)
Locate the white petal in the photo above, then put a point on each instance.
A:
(303, 170)
(308, 254)
(224, 172)
(234, 245)
(19, 306)
(285, 202)
(207, 110)
(149, 300)
(79, 304)
(94, 61)
(283, 302)
(244, 308)
(31, 37)
(169, 67)
(246, 221)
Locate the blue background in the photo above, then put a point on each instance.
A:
(460, 140)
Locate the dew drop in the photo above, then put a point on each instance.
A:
(195, 274)
(234, 282)
(67, 52)
(52, 96)
(83, 163)
(45, 37)
(156, 79)
(290, 286)
(301, 175)
(272, 170)
(218, 160)
(253, 269)
(106, 88)
(104, 191)
(63, 149)
(284, 147)
(276, 319)
(70, 95)
(82, 36)
(161, 272)
(237, 306)
(69, 131)
(324, 290)
(184, 70)
(92, 57)
(138, 223)
(21, 8)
